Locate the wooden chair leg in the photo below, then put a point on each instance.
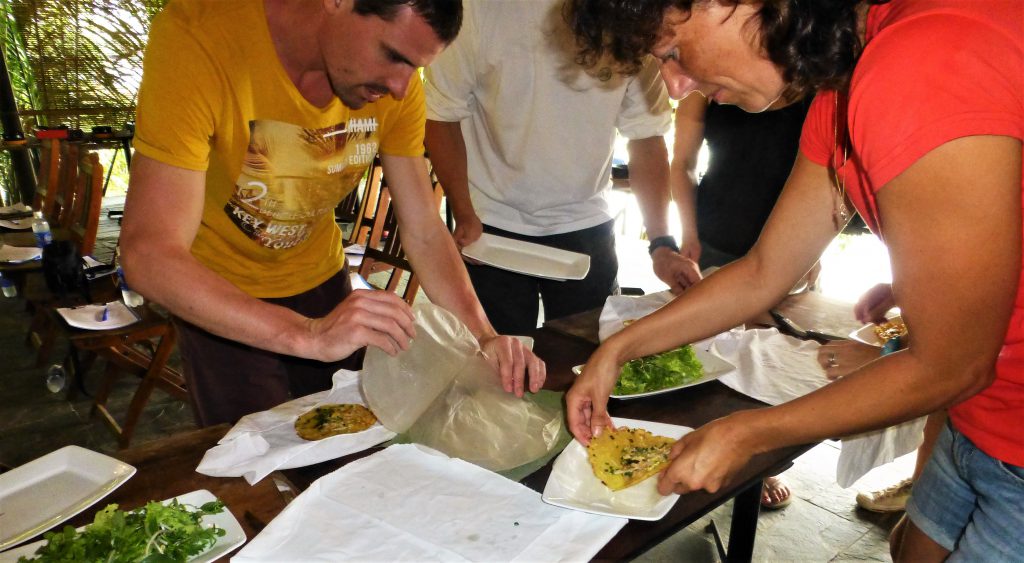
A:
(141, 397)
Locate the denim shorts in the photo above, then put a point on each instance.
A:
(969, 502)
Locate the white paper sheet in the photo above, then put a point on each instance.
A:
(410, 503)
(265, 441)
(776, 368)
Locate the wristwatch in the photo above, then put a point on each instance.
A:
(667, 241)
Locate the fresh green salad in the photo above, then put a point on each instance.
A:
(150, 534)
(660, 371)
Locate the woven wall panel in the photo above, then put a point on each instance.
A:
(85, 57)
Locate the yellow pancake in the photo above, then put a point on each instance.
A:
(331, 420)
(625, 456)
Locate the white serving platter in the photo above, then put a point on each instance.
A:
(714, 367)
(572, 483)
(528, 258)
(233, 537)
(44, 492)
(867, 334)
(18, 254)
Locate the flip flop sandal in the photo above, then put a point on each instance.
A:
(771, 489)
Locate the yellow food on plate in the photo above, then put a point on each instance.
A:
(625, 456)
(890, 329)
(330, 420)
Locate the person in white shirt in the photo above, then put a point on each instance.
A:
(522, 139)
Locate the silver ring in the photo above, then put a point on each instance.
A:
(832, 363)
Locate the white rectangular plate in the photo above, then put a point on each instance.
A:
(47, 491)
(17, 224)
(233, 537)
(528, 258)
(867, 334)
(714, 367)
(572, 483)
(17, 254)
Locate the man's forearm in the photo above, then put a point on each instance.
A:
(648, 178)
(444, 278)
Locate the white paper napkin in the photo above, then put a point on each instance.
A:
(776, 368)
(90, 317)
(265, 441)
(620, 308)
(17, 254)
(411, 503)
(17, 224)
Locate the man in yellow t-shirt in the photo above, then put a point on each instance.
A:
(255, 118)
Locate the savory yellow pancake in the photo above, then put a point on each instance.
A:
(625, 456)
(330, 420)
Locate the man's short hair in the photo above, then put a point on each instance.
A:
(443, 16)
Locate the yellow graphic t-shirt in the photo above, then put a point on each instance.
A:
(215, 97)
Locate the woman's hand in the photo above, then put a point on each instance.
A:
(586, 403)
(841, 358)
(709, 457)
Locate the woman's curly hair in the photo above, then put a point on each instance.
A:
(814, 42)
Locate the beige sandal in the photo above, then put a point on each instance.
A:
(775, 494)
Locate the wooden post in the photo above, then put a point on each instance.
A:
(24, 173)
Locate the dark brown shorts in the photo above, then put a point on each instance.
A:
(228, 380)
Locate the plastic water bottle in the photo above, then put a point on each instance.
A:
(130, 298)
(41, 228)
(56, 378)
(8, 287)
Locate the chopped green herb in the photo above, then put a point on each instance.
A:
(660, 371)
(150, 534)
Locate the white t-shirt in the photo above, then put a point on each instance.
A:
(539, 130)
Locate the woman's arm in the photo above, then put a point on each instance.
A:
(797, 232)
(952, 222)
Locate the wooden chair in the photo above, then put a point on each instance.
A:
(368, 204)
(80, 214)
(139, 350)
(384, 252)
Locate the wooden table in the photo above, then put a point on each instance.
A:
(166, 468)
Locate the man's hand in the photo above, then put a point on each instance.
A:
(364, 318)
(514, 362)
(691, 248)
(675, 269)
(468, 229)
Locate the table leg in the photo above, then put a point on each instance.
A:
(744, 523)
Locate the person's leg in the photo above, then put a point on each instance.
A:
(228, 380)
(511, 300)
(307, 376)
(563, 298)
(940, 506)
(932, 428)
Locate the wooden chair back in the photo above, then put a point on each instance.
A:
(49, 175)
(67, 181)
(368, 203)
(384, 251)
(88, 197)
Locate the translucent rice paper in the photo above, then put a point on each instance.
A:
(443, 393)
